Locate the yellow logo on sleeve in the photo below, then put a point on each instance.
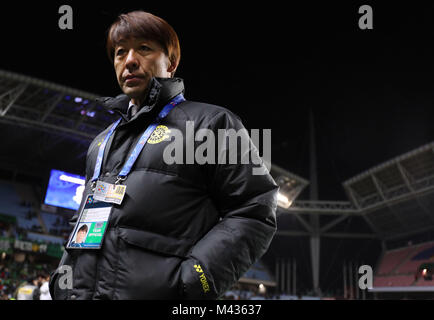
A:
(160, 133)
(202, 278)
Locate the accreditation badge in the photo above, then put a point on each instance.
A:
(91, 225)
(111, 193)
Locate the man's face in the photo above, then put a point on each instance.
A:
(136, 61)
(80, 236)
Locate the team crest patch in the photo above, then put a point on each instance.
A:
(160, 133)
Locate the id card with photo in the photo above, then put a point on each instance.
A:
(91, 225)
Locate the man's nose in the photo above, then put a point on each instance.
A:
(131, 62)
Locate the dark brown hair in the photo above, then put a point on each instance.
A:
(83, 228)
(141, 24)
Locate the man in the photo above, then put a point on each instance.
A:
(44, 289)
(29, 290)
(81, 235)
(178, 231)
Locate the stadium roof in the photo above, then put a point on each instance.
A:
(43, 105)
(397, 196)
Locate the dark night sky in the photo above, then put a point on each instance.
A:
(371, 91)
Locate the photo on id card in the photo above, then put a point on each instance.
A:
(91, 225)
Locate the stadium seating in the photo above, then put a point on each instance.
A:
(50, 221)
(392, 259)
(44, 238)
(398, 267)
(17, 200)
(394, 281)
(258, 272)
(411, 265)
(421, 282)
(12, 204)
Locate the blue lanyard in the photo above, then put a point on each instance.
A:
(139, 146)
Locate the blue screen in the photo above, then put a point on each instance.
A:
(64, 190)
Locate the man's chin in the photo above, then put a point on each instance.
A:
(134, 92)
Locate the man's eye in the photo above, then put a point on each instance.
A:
(120, 52)
(144, 48)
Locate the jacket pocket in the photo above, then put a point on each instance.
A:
(149, 265)
(155, 242)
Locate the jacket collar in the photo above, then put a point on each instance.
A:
(161, 91)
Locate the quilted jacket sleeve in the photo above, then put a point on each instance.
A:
(247, 205)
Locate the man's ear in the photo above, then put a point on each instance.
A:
(171, 68)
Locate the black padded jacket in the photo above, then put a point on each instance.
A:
(183, 231)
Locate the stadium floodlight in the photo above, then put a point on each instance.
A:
(287, 192)
(283, 201)
(290, 186)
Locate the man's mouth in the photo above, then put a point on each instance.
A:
(132, 79)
